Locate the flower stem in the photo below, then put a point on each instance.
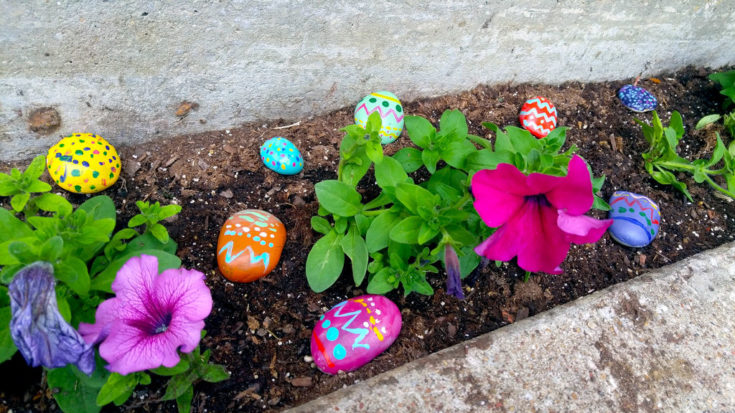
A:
(713, 184)
(485, 143)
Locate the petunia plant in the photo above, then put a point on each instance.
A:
(57, 264)
(409, 229)
(662, 160)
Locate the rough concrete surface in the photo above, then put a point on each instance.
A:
(122, 68)
(663, 342)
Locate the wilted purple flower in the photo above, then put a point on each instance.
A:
(454, 281)
(151, 317)
(39, 331)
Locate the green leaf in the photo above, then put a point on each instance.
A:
(412, 196)
(419, 284)
(407, 231)
(600, 204)
(160, 232)
(555, 139)
(19, 201)
(38, 186)
(73, 272)
(54, 203)
(461, 235)
(183, 402)
(63, 304)
(7, 346)
(178, 385)
(409, 159)
(179, 368)
(448, 183)
(430, 158)
(707, 120)
(468, 261)
(352, 172)
(389, 172)
(717, 153)
(456, 152)
(374, 123)
(23, 252)
(325, 262)
(116, 387)
(12, 227)
(378, 234)
(320, 225)
(52, 248)
(426, 233)
(338, 198)
(136, 221)
(168, 211)
(36, 168)
(99, 207)
(214, 373)
(353, 245)
(72, 392)
(374, 151)
(521, 139)
(420, 131)
(382, 282)
(148, 242)
(677, 124)
(453, 121)
(103, 281)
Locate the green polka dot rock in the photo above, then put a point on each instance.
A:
(84, 163)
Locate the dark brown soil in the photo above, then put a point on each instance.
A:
(260, 331)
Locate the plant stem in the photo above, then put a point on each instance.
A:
(713, 184)
(374, 212)
(480, 141)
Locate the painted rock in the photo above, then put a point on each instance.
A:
(249, 245)
(282, 156)
(84, 163)
(354, 332)
(636, 219)
(538, 116)
(637, 99)
(390, 110)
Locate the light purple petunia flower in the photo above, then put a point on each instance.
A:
(39, 331)
(151, 317)
(454, 279)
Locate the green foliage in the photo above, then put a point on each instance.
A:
(151, 215)
(20, 185)
(192, 368)
(662, 159)
(727, 83)
(86, 254)
(398, 238)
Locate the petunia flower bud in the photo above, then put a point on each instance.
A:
(454, 280)
(39, 331)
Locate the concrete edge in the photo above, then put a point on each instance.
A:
(662, 341)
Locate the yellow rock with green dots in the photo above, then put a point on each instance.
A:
(83, 163)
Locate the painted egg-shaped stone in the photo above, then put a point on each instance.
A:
(538, 116)
(354, 332)
(249, 245)
(636, 219)
(84, 163)
(637, 99)
(390, 110)
(282, 156)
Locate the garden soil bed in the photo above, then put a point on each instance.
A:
(260, 331)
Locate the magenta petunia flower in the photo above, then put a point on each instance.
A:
(537, 216)
(151, 317)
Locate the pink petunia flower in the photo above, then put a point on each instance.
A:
(151, 317)
(537, 216)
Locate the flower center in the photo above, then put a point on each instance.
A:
(162, 323)
(539, 199)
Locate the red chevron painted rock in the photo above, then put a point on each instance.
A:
(538, 116)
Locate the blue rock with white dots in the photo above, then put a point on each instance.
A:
(282, 156)
(637, 99)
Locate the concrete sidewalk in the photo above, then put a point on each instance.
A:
(664, 341)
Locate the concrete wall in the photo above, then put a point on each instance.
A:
(121, 68)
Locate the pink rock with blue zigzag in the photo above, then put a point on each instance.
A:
(354, 332)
